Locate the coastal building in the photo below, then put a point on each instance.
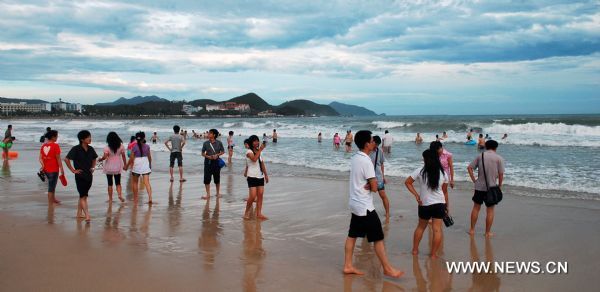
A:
(267, 113)
(228, 106)
(189, 109)
(11, 107)
(67, 107)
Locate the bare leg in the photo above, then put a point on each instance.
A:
(489, 220)
(418, 235)
(218, 187)
(474, 215)
(171, 173)
(259, 201)
(249, 202)
(135, 187)
(181, 179)
(148, 187)
(85, 208)
(79, 209)
(348, 253)
(207, 187)
(120, 193)
(437, 237)
(110, 193)
(388, 270)
(386, 205)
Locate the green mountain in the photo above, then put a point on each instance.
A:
(257, 104)
(133, 101)
(13, 100)
(351, 110)
(306, 108)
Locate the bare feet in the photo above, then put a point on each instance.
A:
(122, 200)
(183, 180)
(471, 232)
(205, 197)
(246, 217)
(56, 201)
(352, 271)
(219, 195)
(172, 179)
(489, 234)
(262, 217)
(393, 273)
(415, 251)
(434, 257)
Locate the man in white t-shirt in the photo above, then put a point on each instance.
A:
(387, 142)
(365, 221)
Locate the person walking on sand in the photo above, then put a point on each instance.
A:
(364, 221)
(84, 163)
(257, 176)
(140, 162)
(378, 160)
(388, 140)
(445, 159)
(348, 141)
(176, 148)
(211, 151)
(51, 164)
(337, 140)
(114, 154)
(490, 173)
(432, 199)
(230, 146)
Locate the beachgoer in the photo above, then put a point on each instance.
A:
(8, 132)
(51, 164)
(211, 150)
(274, 137)
(388, 140)
(418, 139)
(140, 162)
(43, 137)
(364, 221)
(444, 136)
(337, 140)
(348, 140)
(445, 159)
(154, 138)
(319, 138)
(481, 142)
(176, 148)
(114, 154)
(256, 176)
(265, 138)
(84, 163)
(470, 135)
(432, 199)
(505, 136)
(230, 146)
(132, 143)
(494, 168)
(185, 135)
(378, 160)
(437, 138)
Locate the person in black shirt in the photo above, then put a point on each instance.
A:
(84, 161)
(211, 150)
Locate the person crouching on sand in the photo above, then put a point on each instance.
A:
(365, 221)
(257, 176)
(432, 199)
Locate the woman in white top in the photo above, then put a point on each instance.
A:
(256, 175)
(432, 199)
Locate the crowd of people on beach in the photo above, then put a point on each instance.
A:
(428, 183)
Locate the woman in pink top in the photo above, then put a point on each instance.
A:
(445, 160)
(336, 141)
(114, 154)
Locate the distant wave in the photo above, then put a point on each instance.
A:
(390, 125)
(545, 128)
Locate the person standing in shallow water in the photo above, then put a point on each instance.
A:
(494, 168)
(274, 137)
(256, 173)
(230, 146)
(84, 163)
(176, 148)
(114, 154)
(365, 221)
(348, 141)
(378, 160)
(211, 151)
(51, 164)
(140, 162)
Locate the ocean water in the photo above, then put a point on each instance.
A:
(545, 152)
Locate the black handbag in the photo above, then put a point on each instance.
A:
(448, 221)
(493, 195)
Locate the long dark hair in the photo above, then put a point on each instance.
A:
(114, 141)
(431, 170)
(251, 140)
(141, 138)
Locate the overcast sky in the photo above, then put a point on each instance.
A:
(397, 57)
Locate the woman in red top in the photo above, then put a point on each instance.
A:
(51, 164)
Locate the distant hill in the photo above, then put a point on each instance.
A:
(256, 102)
(12, 100)
(202, 102)
(351, 110)
(306, 108)
(133, 101)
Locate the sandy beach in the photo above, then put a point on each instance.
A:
(185, 243)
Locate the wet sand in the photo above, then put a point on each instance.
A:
(186, 243)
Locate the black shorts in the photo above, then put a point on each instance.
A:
(212, 170)
(83, 185)
(479, 198)
(435, 211)
(369, 226)
(348, 144)
(274, 140)
(174, 156)
(255, 182)
(117, 177)
(52, 180)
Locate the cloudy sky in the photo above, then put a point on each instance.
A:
(397, 57)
